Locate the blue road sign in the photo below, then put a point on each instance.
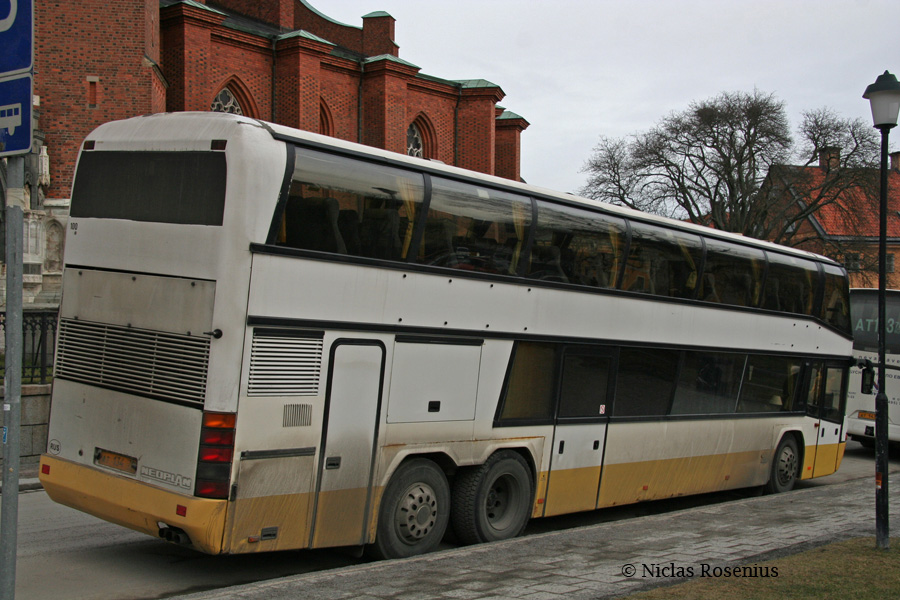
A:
(15, 115)
(16, 82)
(16, 36)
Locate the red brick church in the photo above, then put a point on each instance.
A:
(276, 60)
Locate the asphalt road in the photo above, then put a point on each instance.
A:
(66, 554)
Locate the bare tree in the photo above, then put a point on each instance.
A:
(724, 162)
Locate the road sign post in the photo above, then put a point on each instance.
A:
(16, 131)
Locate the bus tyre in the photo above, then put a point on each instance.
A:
(785, 466)
(414, 512)
(494, 501)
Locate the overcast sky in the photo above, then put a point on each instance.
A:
(578, 69)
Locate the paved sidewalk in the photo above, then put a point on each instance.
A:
(595, 561)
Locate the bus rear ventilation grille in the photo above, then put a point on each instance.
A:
(142, 362)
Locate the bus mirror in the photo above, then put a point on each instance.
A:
(868, 378)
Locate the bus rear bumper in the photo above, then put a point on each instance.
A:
(134, 504)
(864, 430)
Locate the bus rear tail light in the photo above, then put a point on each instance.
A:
(215, 456)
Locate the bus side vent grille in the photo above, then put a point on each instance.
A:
(153, 364)
(284, 365)
(297, 415)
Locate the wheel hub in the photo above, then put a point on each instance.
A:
(417, 512)
(787, 465)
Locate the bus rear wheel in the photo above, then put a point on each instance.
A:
(414, 512)
(785, 466)
(494, 501)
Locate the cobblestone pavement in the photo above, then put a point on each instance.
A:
(596, 561)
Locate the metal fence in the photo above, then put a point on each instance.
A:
(38, 344)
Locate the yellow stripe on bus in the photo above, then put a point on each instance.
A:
(626, 483)
(289, 513)
(132, 503)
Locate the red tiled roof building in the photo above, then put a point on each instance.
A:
(845, 226)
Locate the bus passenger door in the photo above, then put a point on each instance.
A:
(827, 389)
(585, 388)
(347, 450)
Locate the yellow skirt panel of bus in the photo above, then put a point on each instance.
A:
(572, 490)
(809, 461)
(822, 460)
(840, 455)
(626, 483)
(828, 457)
(341, 518)
(132, 503)
(269, 523)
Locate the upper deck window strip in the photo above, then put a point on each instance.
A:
(685, 270)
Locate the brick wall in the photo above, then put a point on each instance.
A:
(277, 12)
(344, 35)
(35, 419)
(91, 67)
(433, 107)
(477, 130)
(508, 150)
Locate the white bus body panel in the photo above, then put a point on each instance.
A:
(88, 418)
(330, 291)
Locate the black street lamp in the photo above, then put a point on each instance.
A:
(884, 96)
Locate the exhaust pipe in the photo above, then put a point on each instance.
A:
(174, 535)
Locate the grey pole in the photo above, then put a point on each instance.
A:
(882, 512)
(12, 402)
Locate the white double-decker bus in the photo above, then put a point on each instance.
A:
(861, 407)
(271, 339)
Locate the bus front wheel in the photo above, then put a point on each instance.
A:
(494, 501)
(785, 466)
(414, 512)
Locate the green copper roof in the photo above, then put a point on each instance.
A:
(304, 34)
(377, 13)
(508, 114)
(194, 4)
(391, 58)
(475, 83)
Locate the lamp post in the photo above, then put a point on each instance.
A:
(884, 96)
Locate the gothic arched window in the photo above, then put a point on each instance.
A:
(227, 103)
(414, 146)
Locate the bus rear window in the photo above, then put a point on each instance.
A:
(185, 188)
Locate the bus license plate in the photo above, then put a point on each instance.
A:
(114, 460)
(866, 415)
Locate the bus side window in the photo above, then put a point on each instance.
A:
(732, 274)
(790, 284)
(833, 393)
(585, 385)
(836, 301)
(662, 262)
(708, 383)
(645, 382)
(528, 395)
(311, 223)
(814, 389)
(473, 228)
(770, 384)
(344, 206)
(576, 246)
(825, 392)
